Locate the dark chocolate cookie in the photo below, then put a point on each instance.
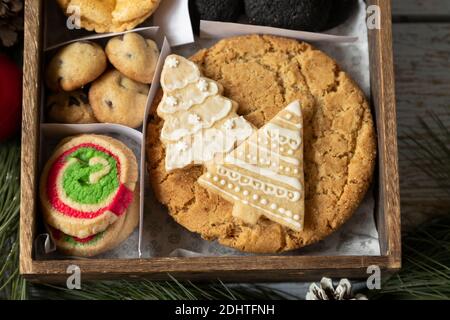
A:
(341, 10)
(218, 10)
(307, 15)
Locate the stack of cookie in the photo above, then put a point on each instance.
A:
(85, 90)
(89, 194)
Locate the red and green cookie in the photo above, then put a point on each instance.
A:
(87, 184)
(100, 242)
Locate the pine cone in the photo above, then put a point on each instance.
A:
(326, 291)
(11, 21)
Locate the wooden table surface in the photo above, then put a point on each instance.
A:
(421, 33)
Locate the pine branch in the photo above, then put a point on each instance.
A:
(152, 290)
(431, 146)
(12, 286)
(426, 265)
(426, 251)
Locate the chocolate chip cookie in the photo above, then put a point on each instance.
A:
(75, 65)
(134, 56)
(70, 107)
(118, 99)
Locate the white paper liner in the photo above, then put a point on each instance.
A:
(173, 18)
(219, 30)
(164, 237)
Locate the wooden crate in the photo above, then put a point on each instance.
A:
(254, 268)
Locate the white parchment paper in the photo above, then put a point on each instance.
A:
(163, 237)
(160, 236)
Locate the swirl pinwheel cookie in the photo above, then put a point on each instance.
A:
(200, 123)
(87, 184)
(100, 242)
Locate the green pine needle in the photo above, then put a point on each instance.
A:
(426, 265)
(426, 251)
(430, 145)
(154, 290)
(12, 286)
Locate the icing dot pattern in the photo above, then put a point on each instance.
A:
(268, 168)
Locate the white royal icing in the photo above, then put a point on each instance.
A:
(187, 97)
(172, 62)
(196, 115)
(291, 223)
(283, 136)
(203, 85)
(244, 180)
(295, 108)
(205, 144)
(293, 182)
(212, 110)
(268, 177)
(182, 74)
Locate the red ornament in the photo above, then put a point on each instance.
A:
(10, 97)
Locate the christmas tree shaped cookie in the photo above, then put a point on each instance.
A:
(264, 175)
(199, 123)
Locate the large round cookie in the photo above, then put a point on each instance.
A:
(264, 74)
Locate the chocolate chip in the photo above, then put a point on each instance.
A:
(109, 103)
(73, 101)
(121, 84)
(51, 105)
(129, 55)
(84, 98)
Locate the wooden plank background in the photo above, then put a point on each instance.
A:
(421, 9)
(421, 35)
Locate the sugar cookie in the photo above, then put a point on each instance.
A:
(200, 123)
(264, 175)
(87, 184)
